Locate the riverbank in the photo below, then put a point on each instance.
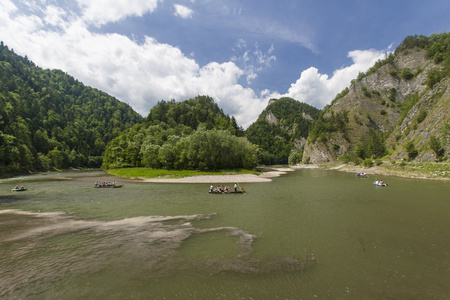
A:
(265, 176)
(424, 170)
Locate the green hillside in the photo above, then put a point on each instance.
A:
(193, 134)
(398, 109)
(49, 120)
(281, 130)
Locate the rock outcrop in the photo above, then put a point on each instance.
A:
(388, 102)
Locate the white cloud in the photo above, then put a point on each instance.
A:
(142, 74)
(183, 11)
(100, 12)
(138, 74)
(253, 60)
(54, 16)
(7, 7)
(319, 89)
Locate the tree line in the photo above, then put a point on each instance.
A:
(48, 119)
(193, 134)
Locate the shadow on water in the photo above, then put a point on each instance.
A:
(14, 197)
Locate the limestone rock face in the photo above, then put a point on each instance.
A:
(317, 154)
(271, 119)
(374, 103)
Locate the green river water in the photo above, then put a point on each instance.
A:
(309, 234)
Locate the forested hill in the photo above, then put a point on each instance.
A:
(193, 112)
(193, 134)
(281, 130)
(48, 119)
(398, 109)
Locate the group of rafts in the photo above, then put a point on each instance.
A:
(107, 185)
(218, 190)
(376, 183)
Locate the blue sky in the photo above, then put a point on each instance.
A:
(242, 53)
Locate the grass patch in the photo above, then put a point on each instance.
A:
(161, 173)
(426, 169)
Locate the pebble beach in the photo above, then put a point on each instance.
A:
(240, 178)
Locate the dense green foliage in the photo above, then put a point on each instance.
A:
(193, 134)
(436, 146)
(323, 126)
(371, 146)
(48, 119)
(411, 150)
(192, 113)
(276, 141)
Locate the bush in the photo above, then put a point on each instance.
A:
(346, 158)
(393, 94)
(295, 157)
(406, 74)
(358, 161)
(434, 76)
(435, 145)
(393, 73)
(366, 92)
(421, 116)
(368, 163)
(411, 150)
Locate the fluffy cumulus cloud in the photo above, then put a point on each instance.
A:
(319, 89)
(99, 12)
(139, 74)
(142, 73)
(183, 11)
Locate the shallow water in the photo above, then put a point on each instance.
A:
(308, 234)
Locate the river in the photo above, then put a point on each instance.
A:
(309, 234)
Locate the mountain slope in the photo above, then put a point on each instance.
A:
(402, 101)
(281, 129)
(48, 119)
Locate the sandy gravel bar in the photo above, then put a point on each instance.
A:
(214, 179)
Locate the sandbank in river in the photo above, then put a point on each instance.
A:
(241, 178)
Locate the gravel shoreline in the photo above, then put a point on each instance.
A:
(222, 179)
(375, 170)
(276, 172)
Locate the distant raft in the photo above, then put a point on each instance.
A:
(226, 192)
(16, 189)
(115, 186)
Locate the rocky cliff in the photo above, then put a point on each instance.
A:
(391, 105)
